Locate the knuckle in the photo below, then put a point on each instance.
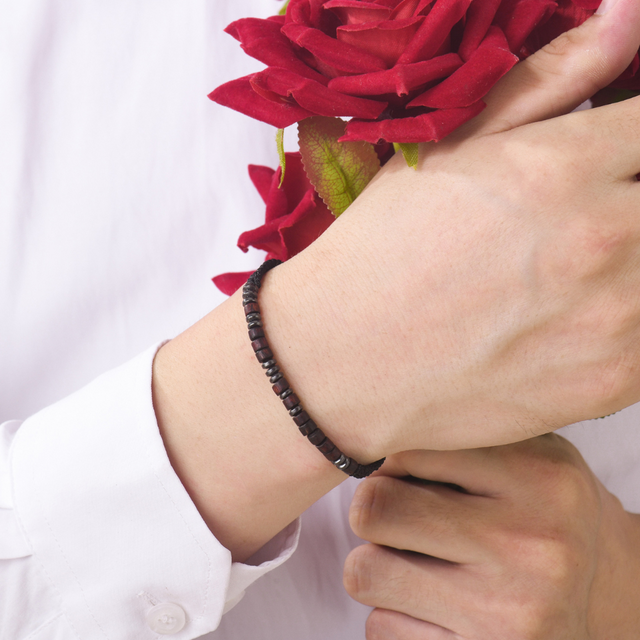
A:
(560, 47)
(554, 560)
(380, 625)
(369, 501)
(357, 574)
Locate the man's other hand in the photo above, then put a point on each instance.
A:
(519, 542)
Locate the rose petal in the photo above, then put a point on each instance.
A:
(338, 58)
(296, 183)
(277, 201)
(356, 12)
(229, 283)
(310, 13)
(423, 128)
(424, 7)
(391, 4)
(401, 79)
(298, 12)
(315, 97)
(307, 223)
(266, 238)
(263, 40)
(518, 18)
(262, 177)
(240, 96)
(472, 81)
(589, 5)
(385, 40)
(478, 20)
(406, 9)
(434, 30)
(319, 17)
(269, 236)
(295, 216)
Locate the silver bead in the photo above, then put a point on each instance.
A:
(342, 462)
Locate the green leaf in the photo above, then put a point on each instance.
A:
(410, 151)
(283, 158)
(339, 171)
(283, 9)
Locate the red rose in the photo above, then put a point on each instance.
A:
(295, 216)
(404, 70)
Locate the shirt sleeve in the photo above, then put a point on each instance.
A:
(98, 537)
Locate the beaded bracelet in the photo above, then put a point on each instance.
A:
(281, 387)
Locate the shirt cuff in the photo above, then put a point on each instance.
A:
(96, 501)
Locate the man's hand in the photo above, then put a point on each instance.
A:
(491, 295)
(519, 542)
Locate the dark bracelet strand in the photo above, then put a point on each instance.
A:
(281, 387)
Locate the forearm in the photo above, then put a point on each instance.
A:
(230, 440)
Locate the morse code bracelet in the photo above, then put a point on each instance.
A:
(281, 387)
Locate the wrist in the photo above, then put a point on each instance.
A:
(233, 445)
(306, 330)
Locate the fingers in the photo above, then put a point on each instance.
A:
(391, 625)
(423, 588)
(428, 519)
(565, 73)
(477, 471)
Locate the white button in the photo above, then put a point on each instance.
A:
(166, 618)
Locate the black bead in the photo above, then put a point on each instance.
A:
(329, 450)
(273, 379)
(268, 364)
(254, 317)
(254, 325)
(308, 427)
(315, 428)
(285, 394)
(301, 418)
(264, 355)
(273, 371)
(295, 411)
(280, 386)
(334, 455)
(291, 402)
(317, 437)
(259, 344)
(254, 334)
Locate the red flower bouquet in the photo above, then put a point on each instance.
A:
(402, 71)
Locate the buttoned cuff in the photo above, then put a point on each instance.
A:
(96, 501)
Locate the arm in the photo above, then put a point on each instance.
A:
(467, 304)
(520, 542)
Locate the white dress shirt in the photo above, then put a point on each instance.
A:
(122, 191)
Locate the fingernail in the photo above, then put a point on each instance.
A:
(605, 7)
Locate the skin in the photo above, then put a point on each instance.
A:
(528, 545)
(512, 311)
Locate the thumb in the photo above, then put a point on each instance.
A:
(565, 73)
